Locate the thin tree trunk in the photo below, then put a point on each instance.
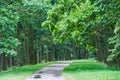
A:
(0, 63)
(26, 51)
(53, 53)
(40, 53)
(3, 62)
(18, 61)
(11, 60)
(32, 53)
(99, 50)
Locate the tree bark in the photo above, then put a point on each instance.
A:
(32, 55)
(99, 49)
(18, 61)
(3, 62)
(0, 63)
(11, 60)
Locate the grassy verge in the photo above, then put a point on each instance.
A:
(90, 70)
(23, 72)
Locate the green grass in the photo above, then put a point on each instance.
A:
(90, 70)
(23, 72)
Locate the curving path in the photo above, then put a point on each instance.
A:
(52, 72)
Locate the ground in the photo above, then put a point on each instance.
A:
(23, 72)
(90, 69)
(78, 70)
(51, 72)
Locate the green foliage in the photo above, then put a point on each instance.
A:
(90, 48)
(115, 52)
(88, 23)
(115, 40)
(9, 45)
(70, 20)
(8, 23)
(20, 15)
(33, 12)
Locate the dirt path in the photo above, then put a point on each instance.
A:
(52, 72)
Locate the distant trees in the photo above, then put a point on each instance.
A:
(76, 20)
(90, 24)
(23, 40)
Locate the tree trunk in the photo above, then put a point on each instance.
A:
(40, 53)
(0, 63)
(53, 53)
(18, 61)
(26, 51)
(11, 60)
(32, 55)
(99, 49)
(3, 62)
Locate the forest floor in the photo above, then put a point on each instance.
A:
(22, 73)
(77, 70)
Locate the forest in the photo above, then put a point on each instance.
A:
(38, 31)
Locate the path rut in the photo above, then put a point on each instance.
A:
(51, 72)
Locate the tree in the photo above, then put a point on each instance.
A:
(87, 22)
(114, 58)
(8, 41)
(71, 20)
